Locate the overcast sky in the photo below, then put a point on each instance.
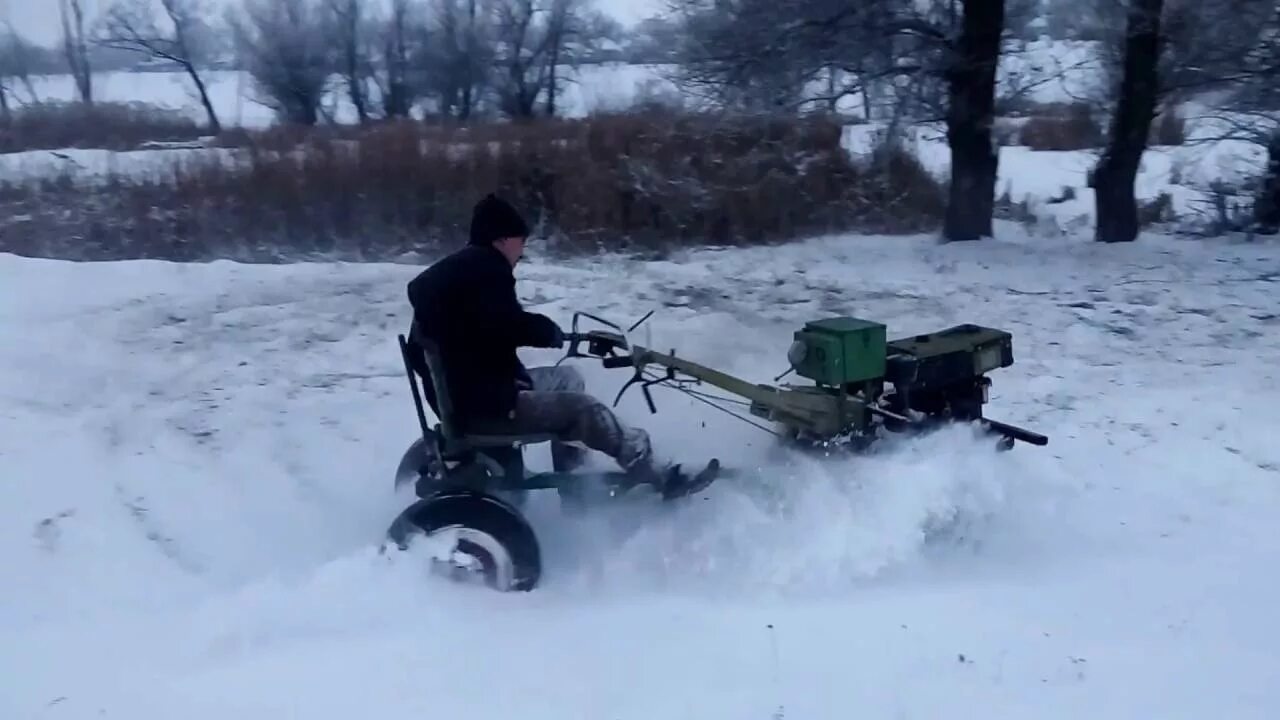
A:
(37, 20)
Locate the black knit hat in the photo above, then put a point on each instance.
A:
(493, 219)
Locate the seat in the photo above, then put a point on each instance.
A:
(453, 444)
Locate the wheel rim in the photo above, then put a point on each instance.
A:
(468, 551)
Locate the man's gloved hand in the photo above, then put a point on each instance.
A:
(542, 331)
(557, 336)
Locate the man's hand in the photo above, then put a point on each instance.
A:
(540, 331)
(557, 336)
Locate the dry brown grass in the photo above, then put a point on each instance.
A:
(1062, 127)
(110, 126)
(652, 180)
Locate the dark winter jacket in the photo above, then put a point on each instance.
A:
(467, 304)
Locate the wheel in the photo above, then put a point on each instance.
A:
(412, 463)
(474, 534)
(420, 465)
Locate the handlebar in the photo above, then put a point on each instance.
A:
(605, 344)
(599, 344)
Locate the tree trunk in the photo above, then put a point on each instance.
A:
(397, 100)
(215, 127)
(1113, 178)
(76, 52)
(355, 88)
(971, 81)
(350, 16)
(1267, 206)
(468, 88)
(84, 78)
(832, 104)
(551, 82)
(303, 110)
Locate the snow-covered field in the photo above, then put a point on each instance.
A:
(196, 461)
(195, 472)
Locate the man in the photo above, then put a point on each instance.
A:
(466, 303)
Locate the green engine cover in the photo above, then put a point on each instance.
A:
(839, 350)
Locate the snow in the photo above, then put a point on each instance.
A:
(197, 463)
(103, 165)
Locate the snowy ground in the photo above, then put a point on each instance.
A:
(197, 459)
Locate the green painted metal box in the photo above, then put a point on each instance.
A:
(839, 350)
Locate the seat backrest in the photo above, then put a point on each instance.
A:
(435, 374)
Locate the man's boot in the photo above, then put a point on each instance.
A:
(670, 481)
(678, 484)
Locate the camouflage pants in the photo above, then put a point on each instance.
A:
(557, 404)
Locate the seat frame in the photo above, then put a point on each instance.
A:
(445, 459)
(447, 427)
(500, 458)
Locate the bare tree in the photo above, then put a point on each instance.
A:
(573, 30)
(132, 25)
(460, 56)
(15, 69)
(563, 24)
(1114, 176)
(1155, 54)
(520, 49)
(653, 40)
(758, 55)
(75, 47)
(1267, 206)
(533, 40)
(1203, 44)
(402, 36)
(1250, 105)
(349, 27)
(971, 85)
(283, 47)
(938, 58)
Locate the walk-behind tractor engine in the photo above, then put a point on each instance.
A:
(860, 383)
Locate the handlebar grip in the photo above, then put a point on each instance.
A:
(617, 362)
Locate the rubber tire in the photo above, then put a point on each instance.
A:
(482, 512)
